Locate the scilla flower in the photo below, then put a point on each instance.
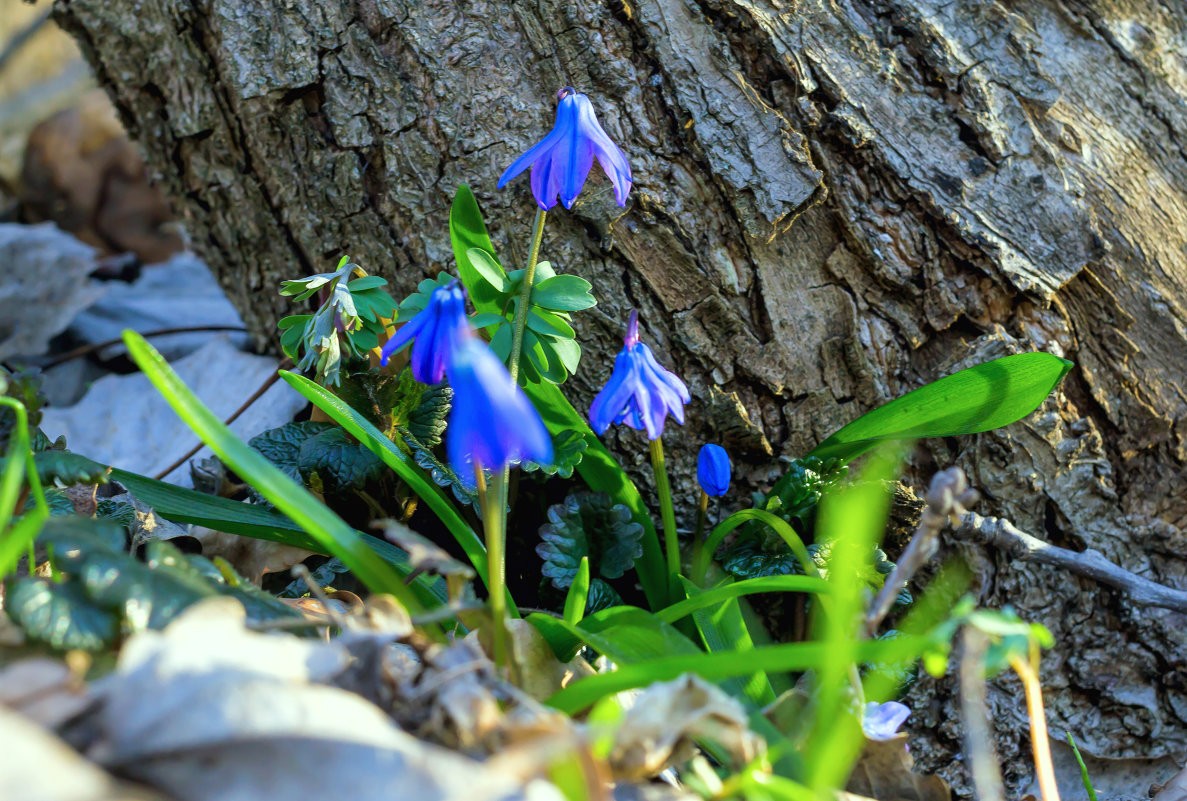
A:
(492, 422)
(713, 470)
(882, 721)
(438, 330)
(640, 393)
(562, 160)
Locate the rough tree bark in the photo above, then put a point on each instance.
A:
(835, 201)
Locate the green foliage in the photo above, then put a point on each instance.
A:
(1009, 636)
(25, 388)
(282, 446)
(588, 525)
(287, 496)
(550, 350)
(334, 462)
(568, 449)
(100, 590)
(66, 468)
(601, 596)
(347, 324)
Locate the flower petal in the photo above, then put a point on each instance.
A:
(611, 403)
(559, 132)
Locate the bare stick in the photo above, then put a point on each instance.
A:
(1091, 564)
(974, 709)
(947, 496)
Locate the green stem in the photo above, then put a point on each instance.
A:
(780, 526)
(671, 543)
(525, 294)
(495, 524)
(698, 543)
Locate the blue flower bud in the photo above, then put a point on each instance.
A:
(713, 470)
(562, 160)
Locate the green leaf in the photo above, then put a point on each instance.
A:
(718, 666)
(568, 448)
(624, 634)
(341, 463)
(549, 323)
(588, 525)
(59, 615)
(563, 293)
(578, 594)
(737, 589)
(428, 420)
(601, 596)
(466, 232)
(368, 282)
(282, 446)
(490, 270)
(723, 629)
(286, 495)
(66, 468)
(419, 300)
(980, 398)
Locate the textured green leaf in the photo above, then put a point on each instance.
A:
(64, 467)
(563, 293)
(59, 615)
(341, 463)
(428, 420)
(380, 395)
(588, 525)
(601, 596)
(282, 446)
(568, 448)
(980, 398)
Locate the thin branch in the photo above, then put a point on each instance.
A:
(974, 709)
(1091, 564)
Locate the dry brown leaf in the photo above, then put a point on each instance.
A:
(659, 729)
(885, 772)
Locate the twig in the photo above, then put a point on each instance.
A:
(1040, 743)
(84, 350)
(255, 396)
(947, 496)
(974, 710)
(1090, 563)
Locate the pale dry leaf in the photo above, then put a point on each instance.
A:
(209, 711)
(44, 691)
(37, 766)
(252, 558)
(663, 722)
(1175, 789)
(885, 772)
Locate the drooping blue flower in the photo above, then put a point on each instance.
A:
(438, 330)
(882, 721)
(561, 161)
(713, 470)
(640, 393)
(492, 422)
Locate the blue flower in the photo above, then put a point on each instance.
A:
(562, 160)
(492, 422)
(640, 393)
(713, 470)
(882, 721)
(438, 330)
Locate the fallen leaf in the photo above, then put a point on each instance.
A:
(663, 722)
(885, 772)
(209, 711)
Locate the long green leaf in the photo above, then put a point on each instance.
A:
(18, 539)
(183, 505)
(722, 629)
(981, 398)
(281, 491)
(715, 667)
(374, 440)
(740, 588)
(466, 231)
(578, 594)
(624, 634)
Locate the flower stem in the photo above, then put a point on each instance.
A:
(495, 523)
(525, 294)
(671, 543)
(698, 544)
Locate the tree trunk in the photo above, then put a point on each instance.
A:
(835, 202)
